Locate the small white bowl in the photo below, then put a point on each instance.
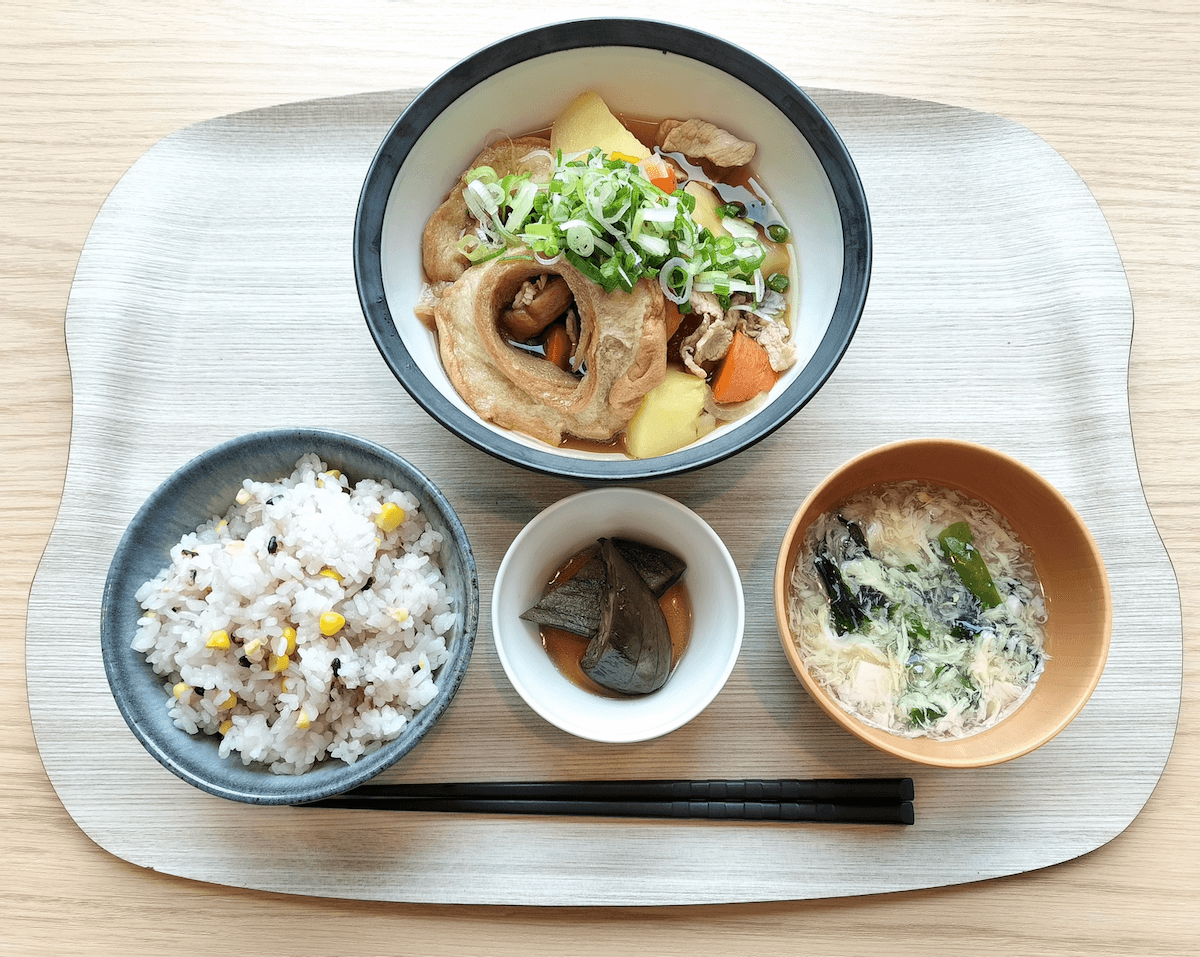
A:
(713, 585)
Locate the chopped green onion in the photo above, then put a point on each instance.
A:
(477, 251)
(778, 233)
(615, 226)
(778, 282)
(739, 228)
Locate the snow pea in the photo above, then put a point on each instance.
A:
(958, 546)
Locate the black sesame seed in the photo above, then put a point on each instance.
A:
(272, 500)
(336, 666)
(244, 661)
(369, 582)
(193, 576)
(189, 554)
(272, 545)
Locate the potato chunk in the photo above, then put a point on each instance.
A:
(588, 122)
(671, 416)
(707, 204)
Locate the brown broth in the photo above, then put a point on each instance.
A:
(566, 649)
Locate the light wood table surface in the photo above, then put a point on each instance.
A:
(85, 89)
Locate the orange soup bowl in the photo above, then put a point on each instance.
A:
(1078, 600)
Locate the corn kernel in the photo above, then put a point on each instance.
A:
(303, 720)
(284, 686)
(221, 526)
(225, 726)
(279, 663)
(331, 623)
(242, 497)
(252, 646)
(218, 639)
(400, 614)
(331, 573)
(289, 634)
(180, 689)
(336, 473)
(228, 703)
(390, 517)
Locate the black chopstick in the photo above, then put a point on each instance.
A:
(819, 790)
(897, 813)
(846, 800)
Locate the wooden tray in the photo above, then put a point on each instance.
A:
(215, 295)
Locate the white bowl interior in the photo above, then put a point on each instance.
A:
(529, 96)
(713, 584)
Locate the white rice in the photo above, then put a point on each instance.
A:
(329, 556)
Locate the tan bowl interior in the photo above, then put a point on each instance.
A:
(1079, 623)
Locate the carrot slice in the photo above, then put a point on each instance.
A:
(660, 173)
(666, 180)
(744, 372)
(558, 346)
(674, 317)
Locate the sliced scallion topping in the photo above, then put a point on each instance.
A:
(615, 226)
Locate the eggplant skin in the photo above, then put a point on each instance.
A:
(574, 605)
(660, 569)
(632, 651)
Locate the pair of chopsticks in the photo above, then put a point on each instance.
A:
(829, 800)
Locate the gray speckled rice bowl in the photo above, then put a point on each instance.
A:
(235, 623)
(266, 638)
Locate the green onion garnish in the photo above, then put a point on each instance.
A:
(610, 222)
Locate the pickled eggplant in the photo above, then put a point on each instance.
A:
(574, 604)
(631, 652)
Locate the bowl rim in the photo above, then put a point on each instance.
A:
(714, 51)
(896, 745)
(120, 659)
(659, 501)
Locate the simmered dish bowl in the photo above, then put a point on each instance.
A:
(944, 603)
(288, 614)
(490, 110)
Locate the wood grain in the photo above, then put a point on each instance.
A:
(84, 91)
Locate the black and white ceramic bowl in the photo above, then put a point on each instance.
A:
(207, 486)
(645, 69)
